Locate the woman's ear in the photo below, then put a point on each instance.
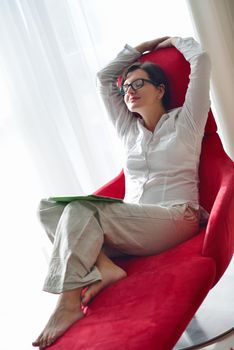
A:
(161, 89)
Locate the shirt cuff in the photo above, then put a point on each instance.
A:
(131, 49)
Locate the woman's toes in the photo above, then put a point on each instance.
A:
(43, 343)
(84, 300)
(37, 341)
(85, 297)
(50, 340)
(84, 290)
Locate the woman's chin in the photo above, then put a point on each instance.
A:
(133, 108)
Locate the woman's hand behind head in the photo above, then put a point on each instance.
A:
(155, 44)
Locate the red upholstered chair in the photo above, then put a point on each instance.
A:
(151, 308)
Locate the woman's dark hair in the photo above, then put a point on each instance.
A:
(155, 73)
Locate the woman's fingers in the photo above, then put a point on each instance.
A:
(154, 44)
(163, 44)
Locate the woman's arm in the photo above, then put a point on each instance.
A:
(154, 44)
(197, 100)
(107, 84)
(117, 111)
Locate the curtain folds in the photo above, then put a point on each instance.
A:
(52, 97)
(50, 52)
(214, 23)
(55, 137)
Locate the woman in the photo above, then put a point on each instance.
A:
(161, 205)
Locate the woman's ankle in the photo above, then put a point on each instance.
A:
(70, 296)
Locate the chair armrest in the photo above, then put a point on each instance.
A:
(219, 236)
(114, 188)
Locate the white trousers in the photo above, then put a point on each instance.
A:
(81, 229)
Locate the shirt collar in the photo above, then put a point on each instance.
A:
(163, 118)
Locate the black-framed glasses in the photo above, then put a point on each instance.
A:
(135, 85)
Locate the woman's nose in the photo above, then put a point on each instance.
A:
(130, 90)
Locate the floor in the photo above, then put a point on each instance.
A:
(226, 343)
(212, 328)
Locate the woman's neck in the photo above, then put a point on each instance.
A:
(151, 118)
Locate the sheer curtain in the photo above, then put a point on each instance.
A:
(55, 135)
(50, 52)
(50, 64)
(214, 24)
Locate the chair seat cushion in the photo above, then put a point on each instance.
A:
(160, 293)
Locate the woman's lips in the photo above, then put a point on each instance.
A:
(133, 99)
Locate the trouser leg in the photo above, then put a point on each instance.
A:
(49, 214)
(78, 241)
(133, 229)
(136, 229)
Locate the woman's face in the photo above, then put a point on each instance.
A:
(145, 97)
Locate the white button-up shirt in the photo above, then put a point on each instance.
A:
(161, 167)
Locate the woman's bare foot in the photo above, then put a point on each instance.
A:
(110, 273)
(69, 307)
(66, 313)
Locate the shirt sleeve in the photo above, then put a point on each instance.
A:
(117, 111)
(197, 101)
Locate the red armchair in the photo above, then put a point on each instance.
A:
(150, 309)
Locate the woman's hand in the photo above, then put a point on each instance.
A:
(155, 44)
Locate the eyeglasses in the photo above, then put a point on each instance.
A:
(135, 85)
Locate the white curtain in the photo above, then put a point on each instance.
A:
(55, 138)
(50, 53)
(48, 66)
(214, 24)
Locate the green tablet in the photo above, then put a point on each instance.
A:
(90, 197)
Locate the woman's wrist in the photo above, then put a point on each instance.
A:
(141, 47)
(155, 44)
(174, 40)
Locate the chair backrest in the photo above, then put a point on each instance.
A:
(177, 70)
(212, 168)
(216, 171)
